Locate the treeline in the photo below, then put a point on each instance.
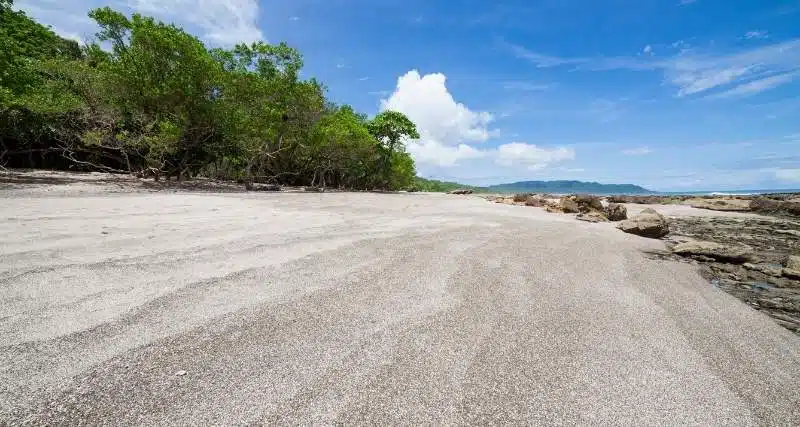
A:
(432, 185)
(149, 98)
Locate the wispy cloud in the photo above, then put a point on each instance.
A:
(363, 79)
(528, 86)
(685, 2)
(689, 72)
(756, 86)
(638, 151)
(756, 35)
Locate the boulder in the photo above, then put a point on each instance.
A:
(593, 216)
(460, 191)
(588, 203)
(648, 223)
(791, 273)
(727, 253)
(794, 233)
(569, 206)
(535, 202)
(793, 262)
(616, 212)
(265, 187)
(768, 269)
(521, 197)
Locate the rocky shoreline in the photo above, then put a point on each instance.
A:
(755, 258)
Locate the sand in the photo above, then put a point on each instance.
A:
(122, 306)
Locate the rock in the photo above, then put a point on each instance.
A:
(535, 202)
(593, 216)
(265, 187)
(775, 207)
(794, 233)
(569, 205)
(721, 204)
(791, 273)
(793, 262)
(720, 252)
(769, 270)
(180, 373)
(521, 197)
(461, 191)
(588, 203)
(314, 189)
(648, 223)
(616, 212)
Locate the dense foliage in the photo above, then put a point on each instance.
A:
(149, 98)
(567, 187)
(432, 185)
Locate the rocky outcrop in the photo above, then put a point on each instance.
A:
(461, 191)
(535, 201)
(616, 212)
(648, 223)
(725, 204)
(768, 285)
(717, 251)
(770, 270)
(792, 269)
(568, 205)
(593, 216)
(588, 203)
(790, 207)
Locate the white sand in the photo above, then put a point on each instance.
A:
(363, 308)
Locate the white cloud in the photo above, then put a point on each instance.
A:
(756, 86)
(690, 72)
(685, 2)
(435, 153)
(363, 79)
(218, 22)
(790, 175)
(445, 126)
(638, 151)
(756, 35)
(449, 129)
(531, 156)
(528, 86)
(647, 50)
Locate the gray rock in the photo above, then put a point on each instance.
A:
(616, 212)
(791, 273)
(569, 206)
(460, 191)
(648, 223)
(793, 262)
(588, 203)
(592, 217)
(794, 233)
(535, 202)
(720, 252)
(768, 269)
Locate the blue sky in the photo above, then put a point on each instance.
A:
(669, 94)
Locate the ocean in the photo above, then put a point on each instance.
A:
(725, 193)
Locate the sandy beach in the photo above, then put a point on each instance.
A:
(122, 306)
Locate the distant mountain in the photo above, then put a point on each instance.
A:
(567, 187)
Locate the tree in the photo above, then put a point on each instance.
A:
(148, 97)
(391, 129)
